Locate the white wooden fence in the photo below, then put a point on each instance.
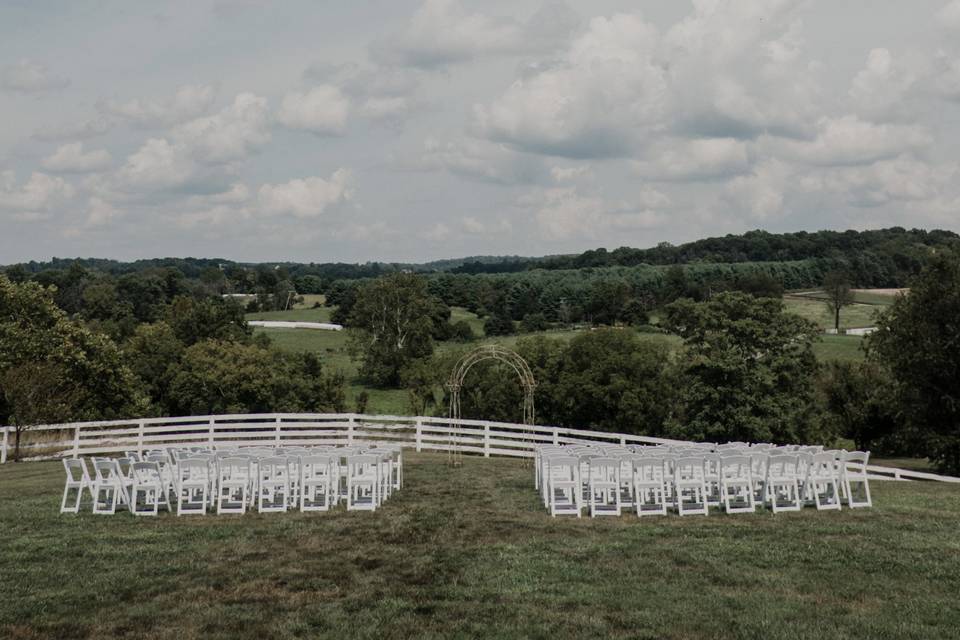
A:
(291, 429)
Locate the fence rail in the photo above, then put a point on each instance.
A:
(481, 437)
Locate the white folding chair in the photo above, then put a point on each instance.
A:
(193, 486)
(649, 486)
(781, 485)
(563, 485)
(148, 484)
(853, 469)
(736, 484)
(234, 483)
(604, 481)
(821, 484)
(690, 485)
(362, 482)
(273, 484)
(111, 485)
(78, 480)
(317, 482)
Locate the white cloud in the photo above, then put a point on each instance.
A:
(39, 195)
(760, 195)
(480, 160)
(81, 130)
(26, 76)
(949, 15)
(475, 226)
(885, 87)
(442, 32)
(604, 96)
(321, 110)
(686, 160)
(849, 140)
(564, 213)
(100, 212)
(232, 134)
(307, 197)
(901, 179)
(156, 165)
(571, 174)
(731, 70)
(70, 158)
(189, 102)
(946, 73)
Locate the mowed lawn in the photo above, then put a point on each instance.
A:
(470, 553)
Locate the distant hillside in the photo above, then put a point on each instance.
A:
(883, 257)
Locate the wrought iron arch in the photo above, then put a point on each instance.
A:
(459, 374)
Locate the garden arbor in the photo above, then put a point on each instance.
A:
(459, 374)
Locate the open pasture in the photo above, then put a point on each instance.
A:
(470, 552)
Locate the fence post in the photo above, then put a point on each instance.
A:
(419, 434)
(140, 425)
(556, 436)
(276, 437)
(486, 440)
(76, 442)
(3, 449)
(350, 431)
(212, 422)
(623, 442)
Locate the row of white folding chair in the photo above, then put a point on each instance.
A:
(194, 478)
(707, 480)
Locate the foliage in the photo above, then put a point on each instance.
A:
(196, 319)
(608, 380)
(461, 331)
(859, 399)
(38, 393)
(746, 371)
(533, 322)
(153, 353)
(231, 377)
(499, 325)
(391, 326)
(34, 332)
(918, 339)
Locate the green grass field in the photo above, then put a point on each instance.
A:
(853, 316)
(470, 553)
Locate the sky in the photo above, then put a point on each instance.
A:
(412, 130)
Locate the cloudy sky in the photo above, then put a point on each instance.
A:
(420, 129)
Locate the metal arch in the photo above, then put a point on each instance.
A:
(459, 374)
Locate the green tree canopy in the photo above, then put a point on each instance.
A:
(231, 377)
(746, 371)
(35, 332)
(918, 339)
(391, 325)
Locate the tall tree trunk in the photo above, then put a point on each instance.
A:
(16, 444)
(836, 319)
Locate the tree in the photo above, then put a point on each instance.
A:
(836, 284)
(918, 340)
(533, 322)
(498, 324)
(35, 332)
(153, 353)
(38, 393)
(196, 319)
(859, 400)
(746, 371)
(608, 380)
(391, 326)
(231, 377)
